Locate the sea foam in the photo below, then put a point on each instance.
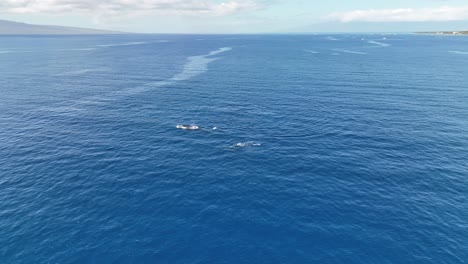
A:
(81, 72)
(194, 66)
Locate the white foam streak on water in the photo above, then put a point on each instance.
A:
(121, 44)
(81, 72)
(459, 52)
(312, 51)
(195, 66)
(14, 51)
(380, 44)
(80, 49)
(350, 51)
(216, 52)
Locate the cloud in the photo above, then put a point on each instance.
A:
(129, 7)
(444, 13)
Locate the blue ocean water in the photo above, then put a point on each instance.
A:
(312, 149)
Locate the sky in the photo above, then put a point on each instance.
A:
(243, 16)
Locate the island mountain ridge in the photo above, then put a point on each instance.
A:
(18, 28)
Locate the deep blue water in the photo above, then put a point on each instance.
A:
(327, 149)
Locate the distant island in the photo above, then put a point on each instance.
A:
(17, 28)
(445, 33)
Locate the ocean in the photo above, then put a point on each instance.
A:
(310, 149)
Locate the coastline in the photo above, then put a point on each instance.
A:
(457, 33)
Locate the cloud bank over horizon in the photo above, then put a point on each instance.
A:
(444, 13)
(129, 7)
(240, 16)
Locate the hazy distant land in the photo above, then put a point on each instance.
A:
(445, 33)
(16, 28)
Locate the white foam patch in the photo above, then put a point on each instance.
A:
(380, 44)
(350, 51)
(331, 38)
(121, 44)
(459, 52)
(312, 51)
(197, 65)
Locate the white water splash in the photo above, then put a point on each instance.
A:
(246, 144)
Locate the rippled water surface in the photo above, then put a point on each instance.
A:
(311, 149)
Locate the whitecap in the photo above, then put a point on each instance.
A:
(350, 51)
(312, 51)
(380, 44)
(80, 49)
(459, 52)
(121, 44)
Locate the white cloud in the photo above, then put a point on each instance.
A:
(444, 13)
(129, 7)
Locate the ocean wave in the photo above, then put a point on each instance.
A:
(312, 51)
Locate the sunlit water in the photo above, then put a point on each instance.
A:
(311, 149)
